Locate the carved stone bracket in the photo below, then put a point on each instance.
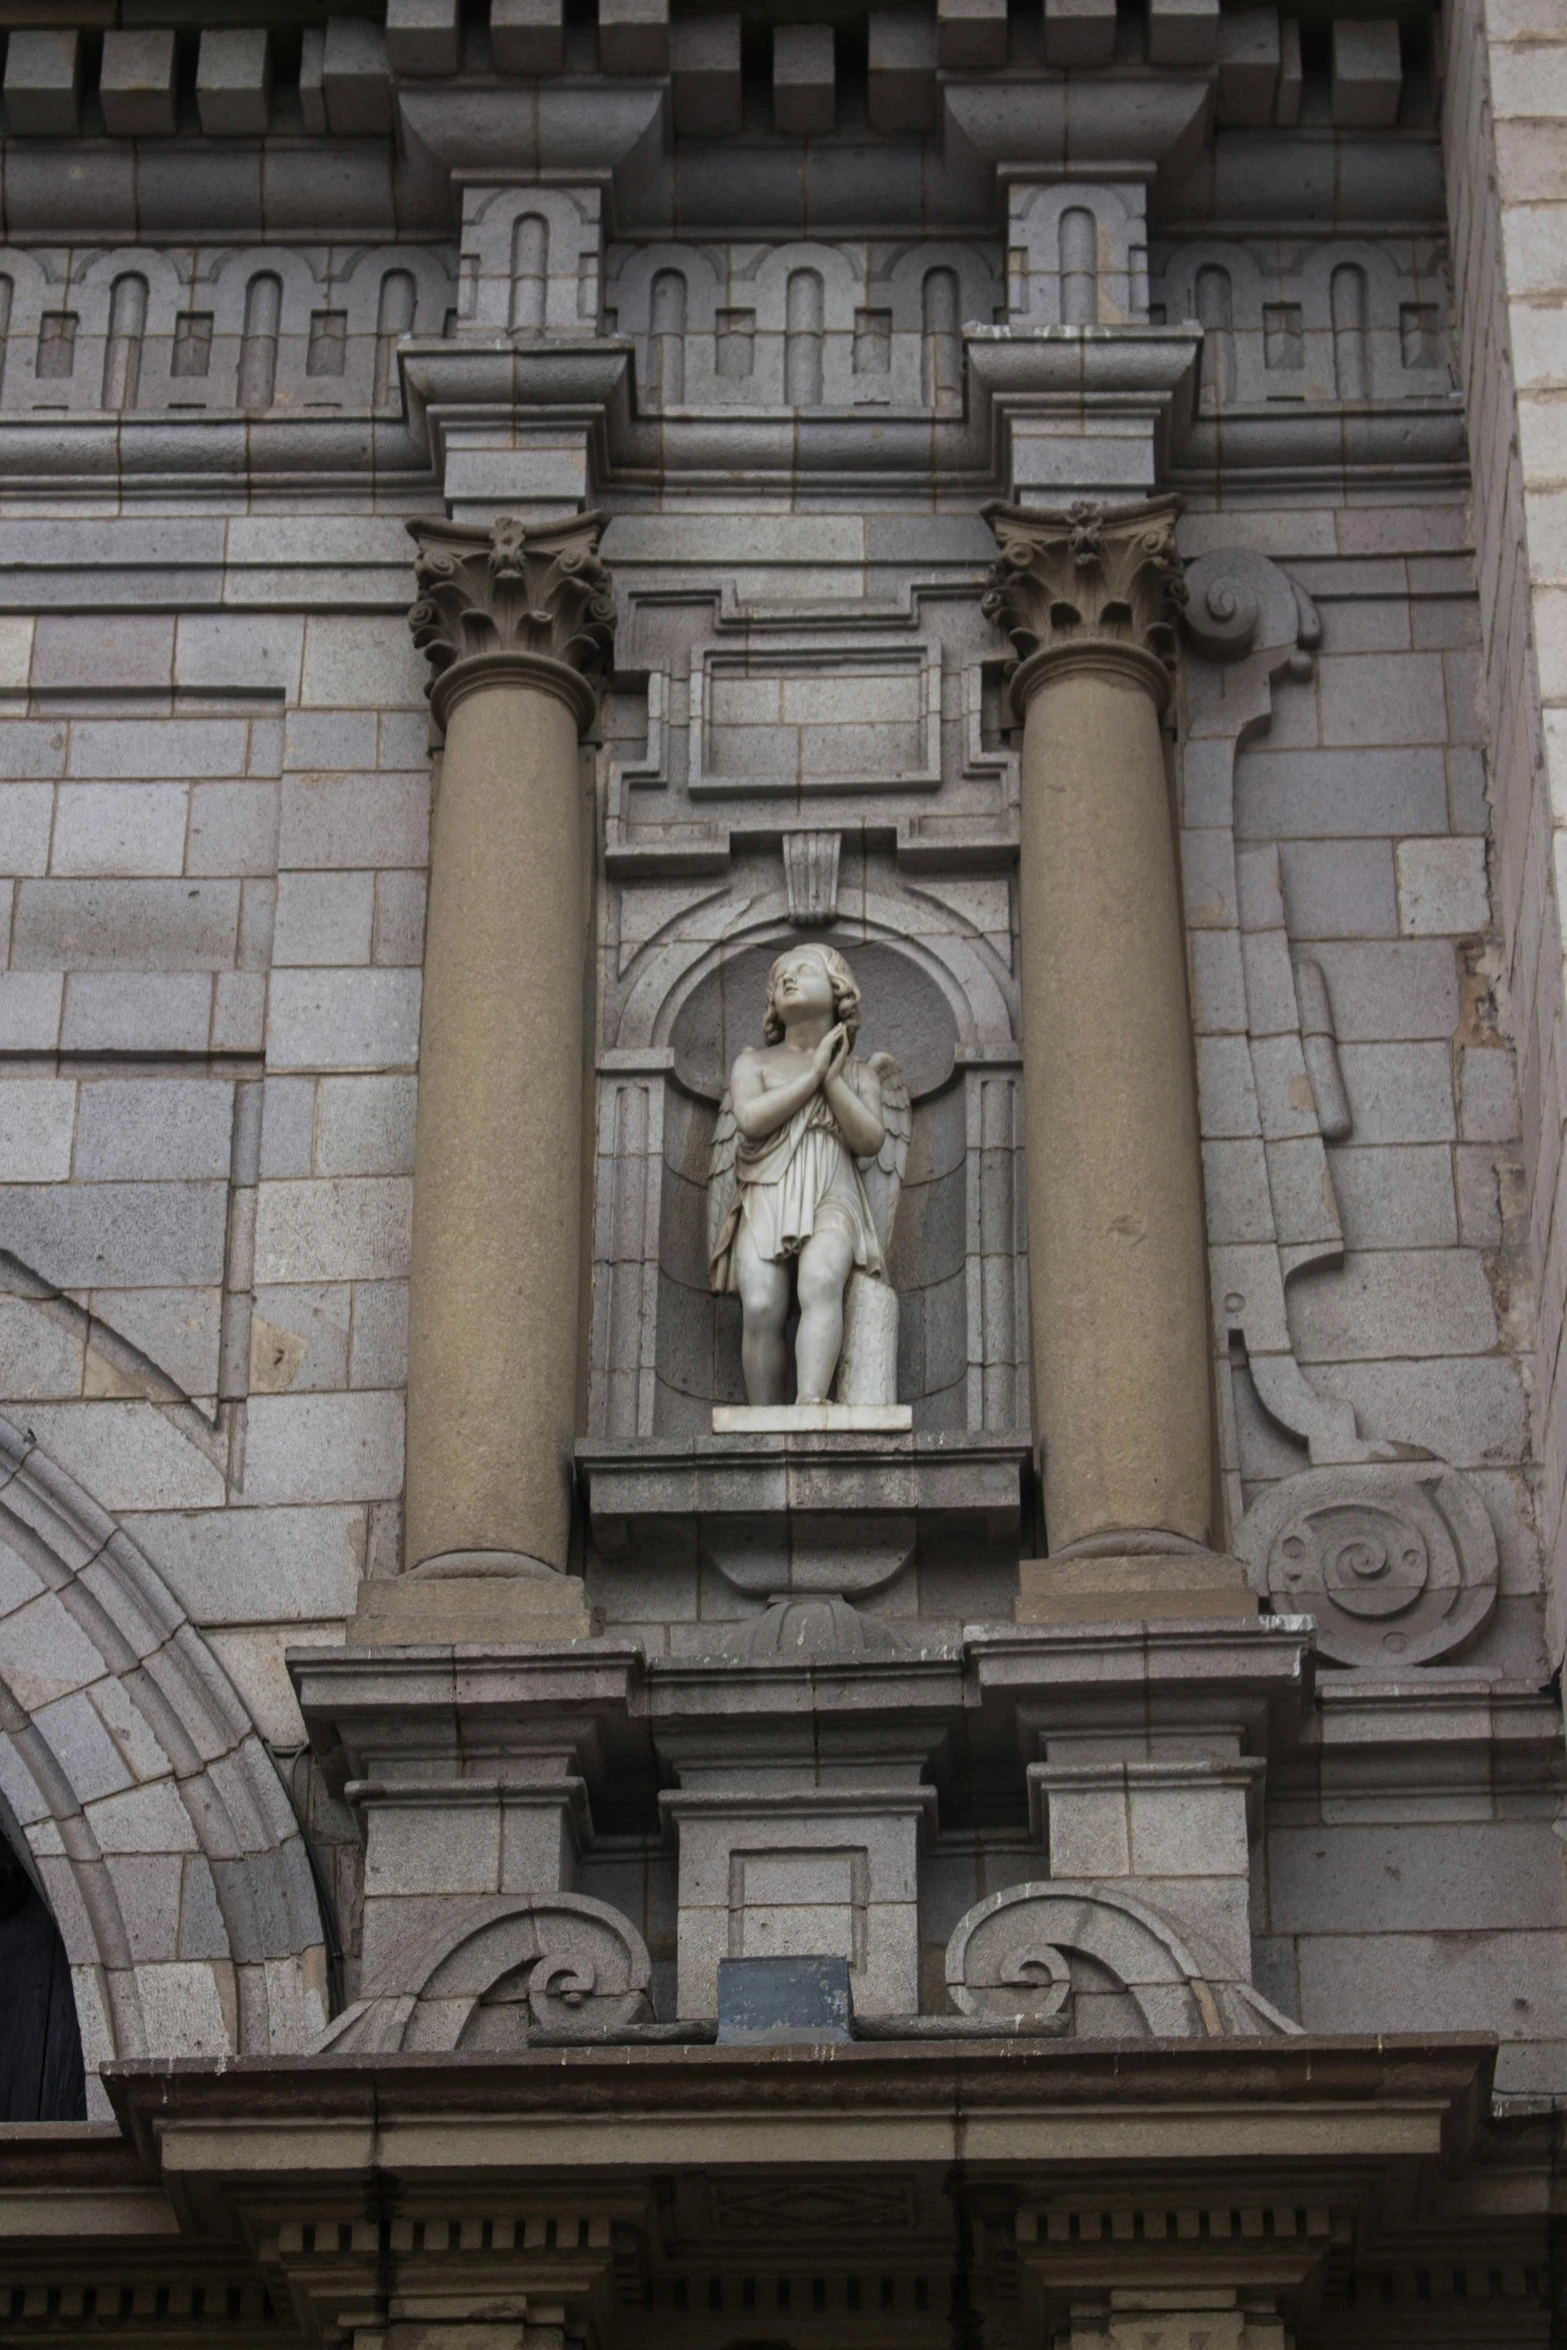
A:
(510, 1964)
(531, 601)
(1088, 585)
(1101, 1962)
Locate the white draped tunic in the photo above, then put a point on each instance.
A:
(786, 1181)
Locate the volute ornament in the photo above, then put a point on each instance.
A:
(510, 1965)
(1396, 1560)
(1085, 586)
(530, 599)
(1080, 1958)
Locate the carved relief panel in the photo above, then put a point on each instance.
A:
(843, 325)
(1329, 320)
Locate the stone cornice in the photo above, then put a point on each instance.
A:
(227, 2118)
(508, 602)
(1088, 587)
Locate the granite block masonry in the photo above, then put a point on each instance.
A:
(780, 1137)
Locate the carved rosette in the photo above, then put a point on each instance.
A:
(518, 602)
(1093, 587)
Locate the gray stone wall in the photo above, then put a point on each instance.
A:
(215, 788)
(1503, 141)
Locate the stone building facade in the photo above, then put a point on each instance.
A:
(519, 518)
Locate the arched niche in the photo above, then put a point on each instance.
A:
(936, 994)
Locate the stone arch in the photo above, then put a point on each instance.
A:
(156, 1821)
(514, 1964)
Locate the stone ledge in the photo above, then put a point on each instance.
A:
(792, 1512)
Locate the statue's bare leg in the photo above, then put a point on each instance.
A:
(764, 1309)
(826, 1261)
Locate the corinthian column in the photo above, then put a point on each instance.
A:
(517, 622)
(1117, 1276)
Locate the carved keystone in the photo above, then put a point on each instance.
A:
(529, 601)
(1090, 587)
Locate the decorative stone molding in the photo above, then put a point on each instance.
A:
(1269, 1085)
(528, 601)
(1103, 1964)
(145, 1767)
(1396, 1560)
(557, 1962)
(810, 863)
(1090, 587)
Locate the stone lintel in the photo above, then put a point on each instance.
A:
(240, 2124)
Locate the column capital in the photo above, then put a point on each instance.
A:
(514, 602)
(1093, 587)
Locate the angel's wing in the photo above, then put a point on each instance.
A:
(884, 1174)
(722, 1186)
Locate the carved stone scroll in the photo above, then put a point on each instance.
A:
(553, 1961)
(1396, 1560)
(1066, 1947)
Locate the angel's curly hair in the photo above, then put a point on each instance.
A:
(845, 994)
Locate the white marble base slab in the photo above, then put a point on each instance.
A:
(812, 1419)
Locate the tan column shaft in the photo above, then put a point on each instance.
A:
(1117, 1254)
(518, 621)
(1115, 1229)
(492, 1325)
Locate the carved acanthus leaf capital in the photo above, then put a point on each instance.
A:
(514, 598)
(1088, 584)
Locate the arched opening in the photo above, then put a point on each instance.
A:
(41, 2072)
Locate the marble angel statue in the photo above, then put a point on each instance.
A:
(808, 1158)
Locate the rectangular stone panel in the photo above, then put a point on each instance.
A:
(786, 721)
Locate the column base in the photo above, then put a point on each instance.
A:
(451, 1610)
(1132, 1586)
